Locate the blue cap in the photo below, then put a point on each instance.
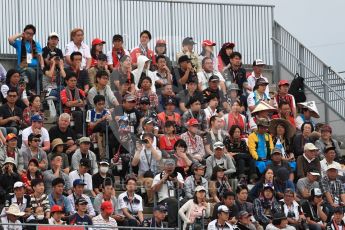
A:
(78, 182)
(36, 117)
(160, 208)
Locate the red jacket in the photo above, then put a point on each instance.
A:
(137, 51)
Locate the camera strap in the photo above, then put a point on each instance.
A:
(147, 159)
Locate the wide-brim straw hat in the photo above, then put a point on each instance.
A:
(14, 210)
(290, 130)
(56, 142)
(311, 106)
(263, 106)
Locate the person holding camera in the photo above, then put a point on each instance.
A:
(167, 185)
(9, 149)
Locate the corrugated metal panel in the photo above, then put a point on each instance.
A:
(250, 27)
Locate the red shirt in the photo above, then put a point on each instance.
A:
(137, 51)
(164, 143)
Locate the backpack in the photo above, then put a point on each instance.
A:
(297, 89)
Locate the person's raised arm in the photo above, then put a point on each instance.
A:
(13, 38)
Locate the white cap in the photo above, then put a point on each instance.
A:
(18, 184)
(258, 62)
(53, 34)
(310, 146)
(332, 166)
(200, 188)
(222, 208)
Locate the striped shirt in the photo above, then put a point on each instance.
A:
(42, 201)
(98, 221)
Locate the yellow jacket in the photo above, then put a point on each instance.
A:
(253, 144)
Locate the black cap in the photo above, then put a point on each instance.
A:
(144, 100)
(57, 181)
(117, 37)
(213, 78)
(102, 57)
(160, 208)
(85, 162)
(279, 216)
(81, 200)
(261, 81)
(188, 41)
(183, 58)
(170, 100)
(32, 136)
(192, 79)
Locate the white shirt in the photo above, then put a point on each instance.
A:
(99, 221)
(90, 209)
(87, 178)
(5, 89)
(324, 166)
(145, 160)
(110, 60)
(163, 193)
(209, 113)
(252, 81)
(212, 226)
(26, 132)
(203, 78)
(4, 220)
(134, 207)
(84, 50)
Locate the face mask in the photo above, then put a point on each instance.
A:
(103, 169)
(40, 217)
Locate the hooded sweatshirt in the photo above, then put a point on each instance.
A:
(138, 72)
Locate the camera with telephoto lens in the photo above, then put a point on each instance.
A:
(172, 175)
(291, 215)
(144, 141)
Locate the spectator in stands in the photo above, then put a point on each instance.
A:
(34, 108)
(332, 188)
(169, 138)
(146, 90)
(161, 49)
(20, 198)
(218, 183)
(215, 134)
(213, 88)
(9, 149)
(78, 193)
(326, 139)
(283, 95)
(96, 51)
(337, 220)
(234, 117)
(196, 179)
(82, 173)
(308, 160)
(315, 211)
(38, 199)
(279, 221)
(233, 94)
(99, 178)
(212, 108)
(222, 217)
(183, 162)
(194, 142)
(329, 159)
(208, 51)
(219, 158)
(131, 204)
(148, 125)
(169, 113)
(167, 184)
(105, 217)
(258, 66)
(143, 49)
(235, 73)
(163, 74)
(84, 152)
(266, 206)
(29, 54)
(241, 199)
(51, 49)
(102, 88)
(56, 196)
(72, 99)
(277, 163)
(58, 149)
(308, 111)
(55, 172)
(32, 172)
(195, 112)
(80, 217)
(284, 112)
(115, 55)
(301, 139)
(292, 210)
(245, 223)
(125, 87)
(266, 178)
(208, 70)
(224, 56)
(34, 151)
(12, 216)
(258, 94)
(261, 110)
(8, 178)
(281, 182)
(100, 66)
(184, 72)
(56, 215)
(195, 209)
(187, 49)
(63, 131)
(306, 184)
(77, 45)
(238, 149)
(13, 82)
(76, 69)
(142, 71)
(228, 199)
(159, 215)
(260, 144)
(165, 93)
(123, 74)
(10, 115)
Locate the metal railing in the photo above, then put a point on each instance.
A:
(248, 26)
(324, 82)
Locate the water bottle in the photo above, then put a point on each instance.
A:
(119, 164)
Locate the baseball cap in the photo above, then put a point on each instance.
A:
(192, 122)
(222, 208)
(310, 147)
(170, 100)
(56, 208)
(188, 41)
(36, 118)
(53, 34)
(314, 172)
(84, 139)
(147, 121)
(261, 81)
(219, 168)
(183, 58)
(160, 208)
(97, 41)
(85, 162)
(11, 136)
(214, 78)
(315, 192)
(144, 100)
(197, 165)
(104, 161)
(332, 166)
(102, 57)
(33, 135)
(78, 182)
(242, 214)
(268, 186)
(18, 184)
(129, 97)
(208, 43)
(81, 200)
(192, 79)
(258, 62)
(200, 188)
(107, 206)
(328, 148)
(277, 150)
(218, 145)
(283, 82)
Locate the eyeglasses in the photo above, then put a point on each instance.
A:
(28, 33)
(11, 95)
(36, 140)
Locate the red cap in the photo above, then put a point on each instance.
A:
(97, 41)
(11, 136)
(107, 206)
(208, 43)
(192, 122)
(161, 41)
(283, 82)
(56, 208)
(230, 45)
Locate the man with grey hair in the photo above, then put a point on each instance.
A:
(65, 132)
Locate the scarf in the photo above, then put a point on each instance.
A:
(70, 96)
(232, 120)
(117, 54)
(144, 51)
(219, 136)
(24, 52)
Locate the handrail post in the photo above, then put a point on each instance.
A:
(276, 52)
(301, 60)
(326, 92)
